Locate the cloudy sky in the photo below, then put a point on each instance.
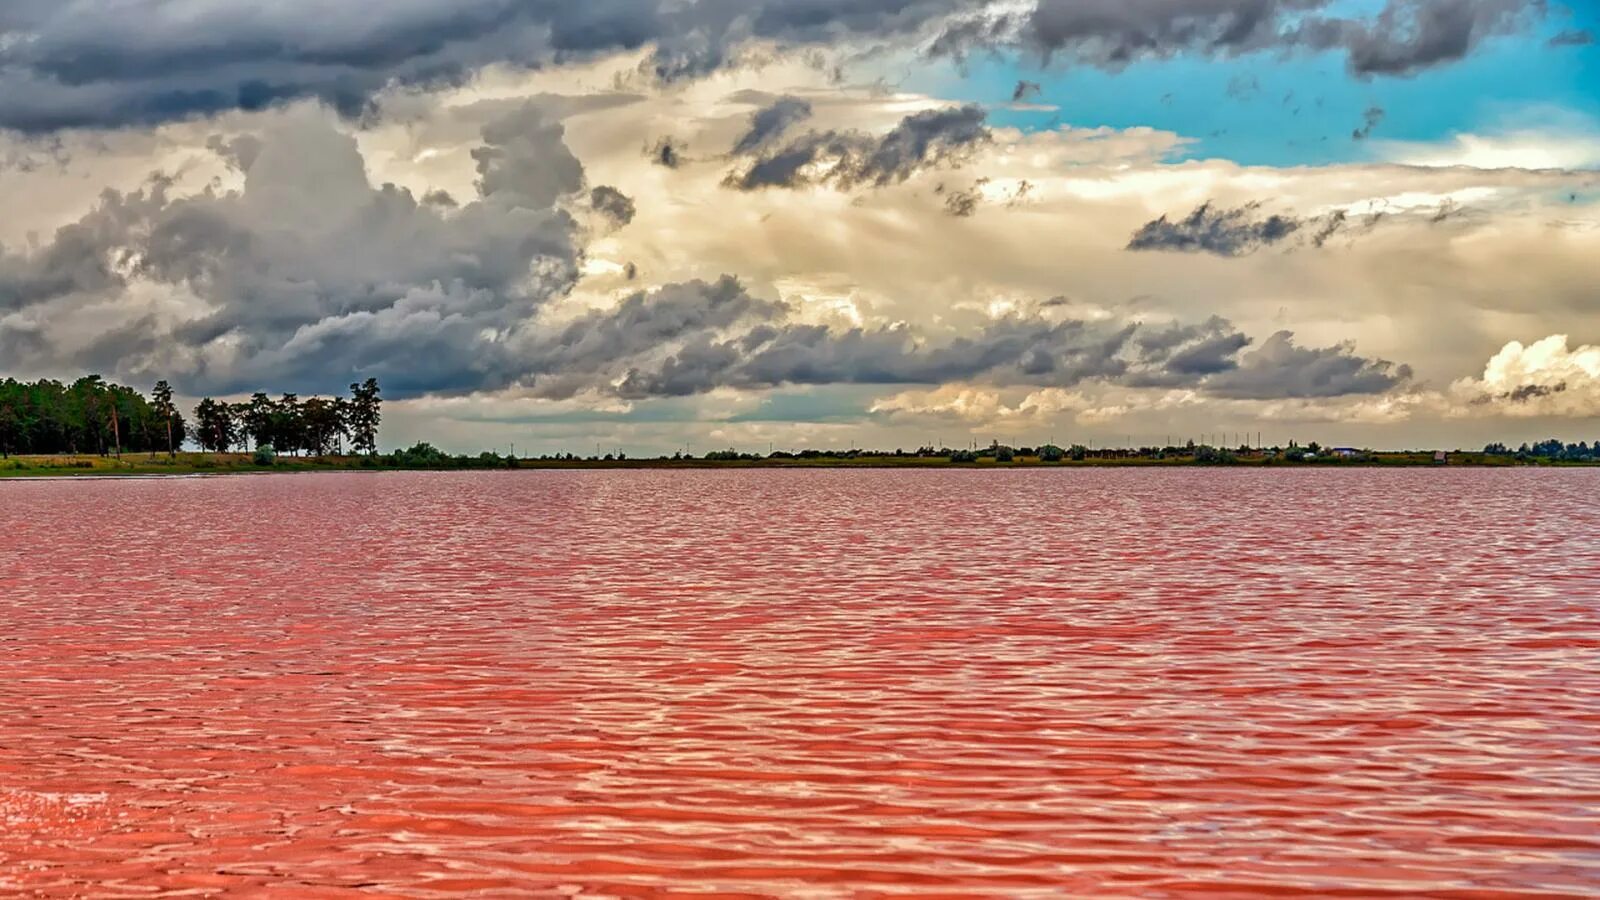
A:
(652, 224)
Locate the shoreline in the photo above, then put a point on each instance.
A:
(211, 464)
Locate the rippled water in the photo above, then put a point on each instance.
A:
(804, 684)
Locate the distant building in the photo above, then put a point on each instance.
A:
(1345, 451)
(1440, 457)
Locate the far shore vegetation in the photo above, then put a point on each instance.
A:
(92, 427)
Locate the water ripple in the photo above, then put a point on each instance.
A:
(803, 684)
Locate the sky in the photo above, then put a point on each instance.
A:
(658, 225)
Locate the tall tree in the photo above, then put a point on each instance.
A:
(116, 427)
(257, 420)
(322, 424)
(216, 425)
(288, 428)
(10, 419)
(365, 415)
(86, 410)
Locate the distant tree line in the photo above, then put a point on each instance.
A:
(91, 415)
(1552, 450)
(87, 416)
(315, 425)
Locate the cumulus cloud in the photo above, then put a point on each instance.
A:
(1403, 37)
(845, 267)
(697, 337)
(1279, 369)
(986, 407)
(308, 274)
(1545, 378)
(847, 159)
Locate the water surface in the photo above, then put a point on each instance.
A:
(803, 684)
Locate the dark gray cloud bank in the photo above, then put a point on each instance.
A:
(106, 63)
(1404, 37)
(309, 277)
(849, 159)
(766, 350)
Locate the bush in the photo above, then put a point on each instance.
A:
(265, 455)
(963, 456)
(423, 455)
(1210, 456)
(1051, 453)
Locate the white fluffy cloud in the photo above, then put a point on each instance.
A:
(1545, 378)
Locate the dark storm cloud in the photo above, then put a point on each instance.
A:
(82, 257)
(1405, 36)
(107, 63)
(104, 63)
(1278, 369)
(697, 337)
(1408, 36)
(770, 122)
(1189, 351)
(847, 159)
(1213, 229)
(1572, 37)
(309, 275)
(613, 204)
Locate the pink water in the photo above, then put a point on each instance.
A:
(803, 684)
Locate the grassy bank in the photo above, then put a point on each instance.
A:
(241, 463)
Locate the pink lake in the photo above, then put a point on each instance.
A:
(812, 684)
